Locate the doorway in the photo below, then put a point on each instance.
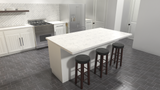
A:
(96, 10)
(133, 16)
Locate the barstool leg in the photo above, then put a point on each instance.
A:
(76, 73)
(115, 55)
(82, 75)
(111, 56)
(121, 57)
(88, 73)
(117, 59)
(106, 64)
(101, 66)
(95, 67)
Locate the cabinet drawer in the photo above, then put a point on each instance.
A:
(58, 25)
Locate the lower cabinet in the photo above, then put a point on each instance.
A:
(13, 42)
(19, 39)
(59, 29)
(88, 24)
(3, 47)
(27, 38)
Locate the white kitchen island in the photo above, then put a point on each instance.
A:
(64, 48)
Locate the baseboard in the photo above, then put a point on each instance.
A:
(17, 52)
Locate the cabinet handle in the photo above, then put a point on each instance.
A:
(22, 41)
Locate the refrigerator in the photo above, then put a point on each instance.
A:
(74, 16)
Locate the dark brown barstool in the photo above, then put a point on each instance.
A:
(82, 59)
(102, 52)
(117, 54)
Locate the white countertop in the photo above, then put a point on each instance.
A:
(84, 40)
(88, 19)
(27, 25)
(56, 22)
(15, 27)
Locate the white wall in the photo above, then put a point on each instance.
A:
(147, 33)
(43, 1)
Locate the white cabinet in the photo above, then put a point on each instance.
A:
(3, 47)
(13, 42)
(60, 29)
(19, 39)
(27, 38)
(88, 24)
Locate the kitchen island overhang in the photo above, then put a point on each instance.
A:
(64, 48)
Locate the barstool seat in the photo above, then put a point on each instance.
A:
(82, 59)
(102, 51)
(118, 45)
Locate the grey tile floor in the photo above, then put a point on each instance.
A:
(31, 71)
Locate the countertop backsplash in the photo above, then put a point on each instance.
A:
(36, 11)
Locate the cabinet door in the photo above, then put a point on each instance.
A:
(3, 47)
(59, 29)
(88, 26)
(13, 42)
(27, 39)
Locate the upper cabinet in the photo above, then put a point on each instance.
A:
(19, 39)
(3, 46)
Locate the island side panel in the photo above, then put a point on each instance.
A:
(68, 62)
(55, 59)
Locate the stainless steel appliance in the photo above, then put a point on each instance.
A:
(74, 14)
(42, 30)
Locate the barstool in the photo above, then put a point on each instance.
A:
(102, 52)
(118, 54)
(82, 59)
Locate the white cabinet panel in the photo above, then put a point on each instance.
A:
(27, 39)
(60, 29)
(19, 39)
(88, 24)
(13, 42)
(3, 47)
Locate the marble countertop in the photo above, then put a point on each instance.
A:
(56, 22)
(27, 25)
(15, 27)
(84, 40)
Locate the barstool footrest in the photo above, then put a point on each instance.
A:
(84, 74)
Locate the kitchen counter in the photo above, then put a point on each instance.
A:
(75, 42)
(56, 22)
(27, 25)
(64, 48)
(16, 27)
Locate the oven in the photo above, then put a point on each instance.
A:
(41, 32)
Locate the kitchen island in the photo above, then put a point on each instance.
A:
(64, 48)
